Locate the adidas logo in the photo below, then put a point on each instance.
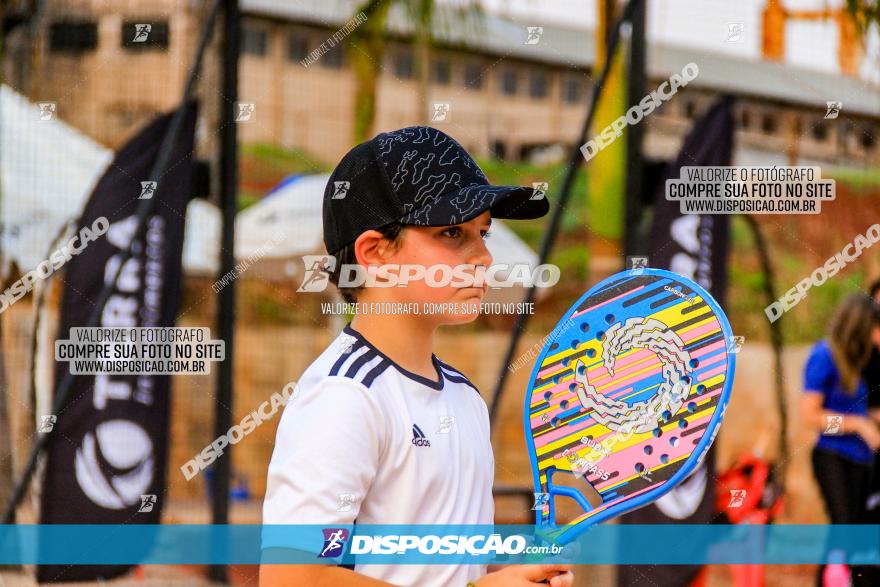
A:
(419, 438)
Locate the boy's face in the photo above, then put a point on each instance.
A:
(444, 248)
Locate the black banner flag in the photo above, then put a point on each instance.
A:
(106, 464)
(696, 246)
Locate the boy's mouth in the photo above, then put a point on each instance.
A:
(481, 289)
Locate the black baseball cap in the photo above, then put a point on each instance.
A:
(417, 176)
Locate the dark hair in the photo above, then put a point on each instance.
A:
(849, 336)
(346, 256)
(875, 287)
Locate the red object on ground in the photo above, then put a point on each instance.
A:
(748, 494)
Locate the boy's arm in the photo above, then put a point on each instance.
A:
(327, 450)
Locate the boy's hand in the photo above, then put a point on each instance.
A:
(528, 576)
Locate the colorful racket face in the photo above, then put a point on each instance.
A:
(626, 396)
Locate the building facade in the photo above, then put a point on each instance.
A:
(503, 91)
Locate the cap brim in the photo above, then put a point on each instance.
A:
(503, 201)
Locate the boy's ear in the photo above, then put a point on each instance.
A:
(371, 248)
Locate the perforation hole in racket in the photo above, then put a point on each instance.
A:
(566, 507)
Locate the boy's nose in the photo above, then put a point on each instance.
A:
(481, 255)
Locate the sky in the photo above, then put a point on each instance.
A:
(704, 24)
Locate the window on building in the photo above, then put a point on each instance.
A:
(145, 34)
(441, 72)
(867, 137)
(403, 63)
(745, 119)
(334, 57)
(508, 82)
(73, 36)
(473, 76)
(499, 149)
(538, 84)
(297, 47)
(690, 108)
(572, 89)
(253, 40)
(768, 124)
(819, 131)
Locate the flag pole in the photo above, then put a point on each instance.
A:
(634, 186)
(228, 130)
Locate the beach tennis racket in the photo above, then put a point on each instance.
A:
(626, 397)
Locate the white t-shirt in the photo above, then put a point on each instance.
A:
(364, 440)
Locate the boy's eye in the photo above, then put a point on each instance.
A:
(456, 232)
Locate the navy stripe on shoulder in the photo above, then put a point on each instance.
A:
(344, 357)
(375, 372)
(358, 363)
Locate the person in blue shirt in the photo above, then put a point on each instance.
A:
(835, 404)
(871, 374)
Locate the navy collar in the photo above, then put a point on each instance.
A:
(409, 374)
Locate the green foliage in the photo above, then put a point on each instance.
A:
(864, 12)
(574, 215)
(572, 260)
(273, 158)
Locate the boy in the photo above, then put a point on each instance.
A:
(380, 430)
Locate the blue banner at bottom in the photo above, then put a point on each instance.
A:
(435, 544)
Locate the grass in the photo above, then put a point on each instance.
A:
(283, 160)
(860, 179)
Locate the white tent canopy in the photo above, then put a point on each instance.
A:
(47, 171)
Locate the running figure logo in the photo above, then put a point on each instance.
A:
(317, 275)
(245, 111)
(735, 31)
(541, 499)
(340, 190)
(833, 425)
(833, 109)
(737, 497)
(47, 423)
(141, 32)
(440, 111)
(148, 188)
(47, 110)
(147, 503)
(637, 265)
(735, 344)
(540, 188)
(334, 542)
(534, 35)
